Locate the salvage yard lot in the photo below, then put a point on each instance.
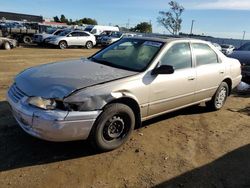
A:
(188, 148)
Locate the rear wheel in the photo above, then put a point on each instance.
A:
(89, 45)
(219, 97)
(113, 127)
(63, 45)
(27, 39)
(7, 46)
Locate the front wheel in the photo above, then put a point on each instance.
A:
(89, 45)
(63, 45)
(113, 127)
(219, 97)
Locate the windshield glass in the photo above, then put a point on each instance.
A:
(245, 47)
(225, 46)
(64, 33)
(51, 31)
(116, 35)
(88, 29)
(130, 54)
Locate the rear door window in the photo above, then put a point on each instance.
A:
(204, 54)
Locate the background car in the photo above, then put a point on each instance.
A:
(115, 36)
(7, 43)
(73, 38)
(40, 38)
(243, 55)
(227, 49)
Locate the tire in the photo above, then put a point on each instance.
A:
(113, 127)
(89, 45)
(219, 98)
(63, 45)
(27, 39)
(7, 46)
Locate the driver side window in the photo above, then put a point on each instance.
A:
(178, 56)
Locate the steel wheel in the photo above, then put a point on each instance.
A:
(113, 127)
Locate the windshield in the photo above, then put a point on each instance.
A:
(51, 31)
(116, 35)
(245, 47)
(225, 46)
(64, 33)
(130, 54)
(88, 29)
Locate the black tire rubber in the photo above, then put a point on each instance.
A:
(7, 46)
(27, 39)
(211, 105)
(60, 44)
(110, 111)
(89, 45)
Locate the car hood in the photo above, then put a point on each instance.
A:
(58, 80)
(242, 56)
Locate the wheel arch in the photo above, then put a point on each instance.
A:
(229, 83)
(133, 104)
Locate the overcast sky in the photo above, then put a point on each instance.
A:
(222, 18)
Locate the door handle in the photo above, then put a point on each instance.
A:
(191, 78)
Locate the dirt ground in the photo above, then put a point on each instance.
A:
(188, 148)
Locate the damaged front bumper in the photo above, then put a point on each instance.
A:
(52, 125)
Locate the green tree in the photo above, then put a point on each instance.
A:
(171, 19)
(143, 27)
(56, 19)
(63, 19)
(88, 21)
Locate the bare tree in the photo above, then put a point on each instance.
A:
(171, 19)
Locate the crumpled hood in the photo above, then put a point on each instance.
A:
(242, 56)
(58, 80)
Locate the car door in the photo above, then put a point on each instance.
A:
(210, 70)
(83, 38)
(170, 91)
(73, 39)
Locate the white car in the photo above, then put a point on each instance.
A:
(40, 38)
(73, 38)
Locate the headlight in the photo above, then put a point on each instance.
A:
(47, 104)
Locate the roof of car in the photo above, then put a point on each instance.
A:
(169, 39)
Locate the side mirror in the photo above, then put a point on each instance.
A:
(69, 35)
(163, 69)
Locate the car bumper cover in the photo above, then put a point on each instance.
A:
(52, 125)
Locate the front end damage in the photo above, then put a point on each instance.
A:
(51, 125)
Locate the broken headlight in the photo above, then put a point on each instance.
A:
(47, 104)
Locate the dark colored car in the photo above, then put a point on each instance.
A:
(243, 55)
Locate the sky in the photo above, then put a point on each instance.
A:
(218, 18)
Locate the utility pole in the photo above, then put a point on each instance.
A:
(244, 33)
(192, 25)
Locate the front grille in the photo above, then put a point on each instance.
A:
(15, 93)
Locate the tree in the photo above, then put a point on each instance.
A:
(63, 19)
(56, 19)
(143, 27)
(171, 20)
(87, 21)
